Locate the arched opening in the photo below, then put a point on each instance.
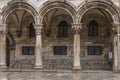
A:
(97, 36)
(63, 29)
(7, 52)
(93, 28)
(57, 38)
(20, 27)
(31, 30)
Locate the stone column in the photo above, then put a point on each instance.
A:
(38, 47)
(115, 52)
(77, 27)
(116, 47)
(118, 53)
(2, 47)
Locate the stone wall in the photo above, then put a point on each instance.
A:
(103, 39)
(54, 40)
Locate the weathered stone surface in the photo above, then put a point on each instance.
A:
(18, 14)
(88, 75)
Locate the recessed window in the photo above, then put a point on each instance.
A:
(60, 50)
(93, 28)
(94, 50)
(63, 29)
(28, 50)
(31, 30)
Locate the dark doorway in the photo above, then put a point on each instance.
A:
(7, 52)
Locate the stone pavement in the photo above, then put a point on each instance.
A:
(84, 75)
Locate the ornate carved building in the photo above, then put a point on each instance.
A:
(59, 34)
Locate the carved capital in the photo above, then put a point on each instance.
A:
(37, 20)
(38, 29)
(2, 29)
(77, 27)
(1, 32)
(116, 28)
(116, 24)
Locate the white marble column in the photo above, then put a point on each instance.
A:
(77, 28)
(38, 50)
(2, 47)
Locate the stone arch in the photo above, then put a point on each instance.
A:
(110, 8)
(13, 5)
(57, 4)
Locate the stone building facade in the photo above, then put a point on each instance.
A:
(59, 34)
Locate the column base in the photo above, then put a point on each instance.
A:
(76, 68)
(3, 67)
(116, 69)
(38, 68)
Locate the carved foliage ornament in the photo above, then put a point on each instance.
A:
(38, 29)
(77, 27)
(115, 28)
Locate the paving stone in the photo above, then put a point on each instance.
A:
(88, 75)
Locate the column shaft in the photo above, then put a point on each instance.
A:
(115, 53)
(118, 54)
(76, 63)
(38, 50)
(3, 50)
(77, 51)
(116, 66)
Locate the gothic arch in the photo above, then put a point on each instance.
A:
(110, 8)
(59, 5)
(17, 5)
